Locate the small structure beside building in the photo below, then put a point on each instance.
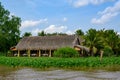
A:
(45, 45)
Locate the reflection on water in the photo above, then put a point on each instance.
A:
(31, 74)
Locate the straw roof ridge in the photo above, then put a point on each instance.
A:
(47, 42)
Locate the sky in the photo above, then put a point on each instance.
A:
(65, 16)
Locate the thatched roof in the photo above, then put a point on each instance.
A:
(47, 42)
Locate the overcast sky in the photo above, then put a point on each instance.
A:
(65, 15)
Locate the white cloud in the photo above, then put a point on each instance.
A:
(54, 28)
(35, 31)
(12, 14)
(80, 3)
(65, 19)
(118, 33)
(32, 23)
(96, 2)
(69, 32)
(107, 14)
(104, 18)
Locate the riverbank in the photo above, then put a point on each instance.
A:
(90, 63)
(33, 74)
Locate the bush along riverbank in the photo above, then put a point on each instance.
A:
(107, 63)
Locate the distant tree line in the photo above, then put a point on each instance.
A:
(42, 33)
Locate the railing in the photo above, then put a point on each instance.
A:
(33, 54)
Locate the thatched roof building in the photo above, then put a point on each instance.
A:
(47, 42)
(42, 45)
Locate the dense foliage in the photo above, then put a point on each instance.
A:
(105, 40)
(27, 34)
(79, 32)
(42, 33)
(112, 63)
(66, 52)
(9, 29)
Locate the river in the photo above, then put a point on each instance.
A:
(33, 74)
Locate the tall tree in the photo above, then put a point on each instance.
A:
(100, 42)
(9, 29)
(92, 40)
(112, 39)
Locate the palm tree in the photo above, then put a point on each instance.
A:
(100, 42)
(112, 39)
(79, 32)
(92, 40)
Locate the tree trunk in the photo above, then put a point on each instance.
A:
(91, 51)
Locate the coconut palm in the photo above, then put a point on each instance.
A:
(112, 39)
(92, 40)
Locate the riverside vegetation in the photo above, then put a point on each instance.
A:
(64, 58)
(107, 63)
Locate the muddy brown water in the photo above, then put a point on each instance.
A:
(32, 74)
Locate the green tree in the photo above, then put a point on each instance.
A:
(42, 33)
(9, 29)
(100, 44)
(26, 34)
(112, 40)
(53, 34)
(79, 32)
(92, 40)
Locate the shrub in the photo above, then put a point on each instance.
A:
(66, 52)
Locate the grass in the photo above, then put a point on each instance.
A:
(107, 63)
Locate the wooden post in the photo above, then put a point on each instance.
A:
(18, 55)
(50, 53)
(39, 54)
(28, 52)
(101, 55)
